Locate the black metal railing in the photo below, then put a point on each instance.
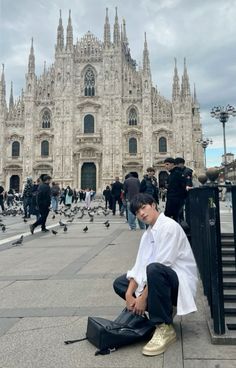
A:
(205, 228)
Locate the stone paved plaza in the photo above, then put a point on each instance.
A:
(51, 284)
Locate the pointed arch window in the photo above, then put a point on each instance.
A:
(15, 149)
(46, 119)
(89, 124)
(44, 148)
(89, 83)
(162, 145)
(132, 146)
(133, 119)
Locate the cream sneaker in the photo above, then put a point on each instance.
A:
(161, 339)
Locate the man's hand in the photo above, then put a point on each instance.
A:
(140, 305)
(130, 301)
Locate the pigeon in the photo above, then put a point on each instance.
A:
(19, 241)
(71, 219)
(3, 228)
(25, 220)
(85, 229)
(61, 223)
(91, 219)
(65, 228)
(107, 225)
(53, 217)
(54, 232)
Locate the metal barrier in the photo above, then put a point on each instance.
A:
(204, 221)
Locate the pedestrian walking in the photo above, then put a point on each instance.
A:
(27, 197)
(131, 188)
(55, 192)
(44, 202)
(116, 190)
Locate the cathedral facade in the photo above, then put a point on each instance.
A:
(93, 115)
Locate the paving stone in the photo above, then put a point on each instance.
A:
(197, 343)
(39, 343)
(6, 324)
(59, 293)
(209, 363)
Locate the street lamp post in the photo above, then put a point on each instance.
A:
(223, 114)
(204, 143)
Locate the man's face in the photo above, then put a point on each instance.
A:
(148, 214)
(169, 166)
(150, 173)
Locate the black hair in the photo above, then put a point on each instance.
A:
(134, 174)
(171, 160)
(179, 160)
(139, 200)
(45, 178)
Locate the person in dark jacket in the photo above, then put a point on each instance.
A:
(2, 198)
(27, 197)
(176, 190)
(44, 202)
(131, 188)
(149, 184)
(35, 209)
(108, 197)
(116, 190)
(187, 172)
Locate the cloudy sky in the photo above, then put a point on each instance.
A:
(203, 31)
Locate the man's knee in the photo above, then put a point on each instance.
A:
(120, 285)
(154, 269)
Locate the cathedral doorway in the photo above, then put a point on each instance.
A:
(15, 183)
(88, 176)
(163, 178)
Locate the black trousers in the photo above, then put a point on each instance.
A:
(173, 208)
(163, 287)
(44, 211)
(114, 200)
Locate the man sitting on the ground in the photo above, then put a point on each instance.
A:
(164, 274)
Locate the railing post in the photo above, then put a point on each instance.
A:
(216, 261)
(233, 190)
(206, 244)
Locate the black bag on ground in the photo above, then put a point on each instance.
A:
(126, 329)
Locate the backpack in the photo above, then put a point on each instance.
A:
(126, 329)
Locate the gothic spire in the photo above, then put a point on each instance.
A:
(107, 31)
(146, 62)
(116, 33)
(175, 86)
(185, 87)
(31, 62)
(60, 35)
(11, 100)
(125, 39)
(69, 34)
(3, 87)
(195, 101)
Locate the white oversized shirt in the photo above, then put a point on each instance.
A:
(165, 242)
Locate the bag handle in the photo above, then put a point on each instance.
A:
(67, 342)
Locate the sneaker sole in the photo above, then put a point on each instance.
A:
(153, 353)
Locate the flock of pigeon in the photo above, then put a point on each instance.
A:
(69, 214)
